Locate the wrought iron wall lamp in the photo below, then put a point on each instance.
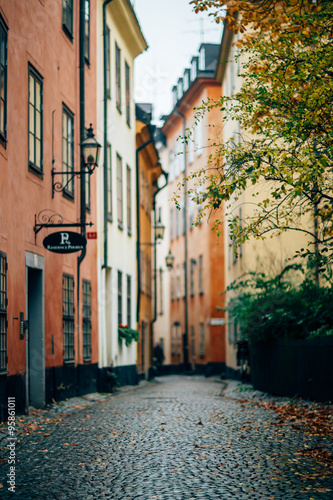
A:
(90, 150)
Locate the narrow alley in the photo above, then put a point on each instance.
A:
(177, 438)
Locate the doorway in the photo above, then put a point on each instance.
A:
(35, 341)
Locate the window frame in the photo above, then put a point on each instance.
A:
(109, 183)
(200, 274)
(3, 69)
(3, 313)
(68, 318)
(68, 23)
(128, 93)
(37, 79)
(68, 193)
(87, 31)
(161, 301)
(108, 62)
(86, 320)
(129, 199)
(120, 200)
(129, 300)
(118, 76)
(120, 297)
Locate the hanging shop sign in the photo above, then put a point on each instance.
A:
(64, 242)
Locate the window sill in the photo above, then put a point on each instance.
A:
(87, 360)
(109, 218)
(3, 140)
(3, 373)
(118, 109)
(67, 32)
(69, 361)
(120, 226)
(68, 195)
(129, 232)
(35, 170)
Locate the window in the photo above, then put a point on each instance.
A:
(202, 340)
(178, 340)
(202, 59)
(191, 148)
(183, 217)
(68, 316)
(142, 269)
(86, 318)
(3, 312)
(171, 224)
(120, 192)
(129, 199)
(67, 17)
(193, 343)
(35, 120)
(192, 277)
(184, 280)
(177, 223)
(129, 301)
(172, 288)
(200, 274)
(87, 30)
(87, 191)
(120, 297)
(68, 151)
(3, 82)
(161, 290)
(109, 182)
(118, 79)
(171, 165)
(173, 340)
(194, 66)
(128, 96)
(178, 282)
(147, 196)
(142, 197)
(198, 138)
(191, 211)
(108, 62)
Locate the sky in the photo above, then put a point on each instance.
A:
(173, 32)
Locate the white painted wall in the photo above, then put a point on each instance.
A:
(121, 245)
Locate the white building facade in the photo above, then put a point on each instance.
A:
(120, 42)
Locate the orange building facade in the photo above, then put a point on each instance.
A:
(197, 334)
(48, 343)
(149, 170)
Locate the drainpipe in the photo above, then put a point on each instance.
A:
(82, 177)
(105, 139)
(138, 149)
(165, 174)
(186, 363)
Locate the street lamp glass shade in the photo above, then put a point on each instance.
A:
(169, 259)
(159, 230)
(90, 150)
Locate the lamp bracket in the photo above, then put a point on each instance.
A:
(58, 187)
(49, 218)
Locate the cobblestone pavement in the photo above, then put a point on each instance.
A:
(177, 438)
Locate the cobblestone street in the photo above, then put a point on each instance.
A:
(176, 437)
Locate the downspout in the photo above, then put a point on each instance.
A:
(186, 364)
(105, 139)
(155, 270)
(82, 177)
(138, 149)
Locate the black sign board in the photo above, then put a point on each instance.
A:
(64, 242)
